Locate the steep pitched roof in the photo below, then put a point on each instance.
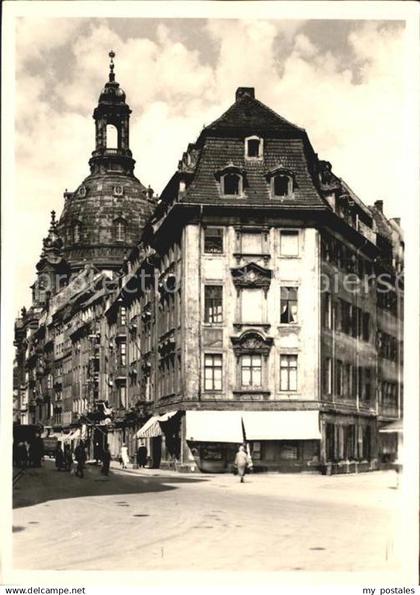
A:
(250, 114)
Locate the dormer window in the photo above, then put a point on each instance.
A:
(231, 184)
(282, 183)
(253, 147)
(118, 190)
(82, 191)
(231, 179)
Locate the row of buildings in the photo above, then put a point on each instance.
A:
(258, 298)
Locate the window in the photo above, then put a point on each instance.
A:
(253, 147)
(251, 243)
(231, 184)
(76, 233)
(123, 316)
(327, 376)
(281, 185)
(288, 372)
(365, 332)
(118, 190)
(288, 305)
(213, 303)
(82, 191)
(251, 370)
(289, 243)
(120, 229)
(252, 305)
(111, 137)
(339, 378)
(122, 396)
(123, 353)
(213, 240)
(326, 321)
(213, 372)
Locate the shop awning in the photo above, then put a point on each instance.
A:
(281, 425)
(152, 429)
(214, 426)
(393, 427)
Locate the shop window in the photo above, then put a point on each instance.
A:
(232, 184)
(213, 240)
(213, 372)
(289, 242)
(213, 303)
(289, 452)
(288, 372)
(288, 305)
(251, 370)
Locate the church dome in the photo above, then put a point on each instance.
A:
(103, 218)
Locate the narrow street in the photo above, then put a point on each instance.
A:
(155, 520)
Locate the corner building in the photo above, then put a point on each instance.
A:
(248, 328)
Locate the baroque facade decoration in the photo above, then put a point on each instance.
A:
(230, 315)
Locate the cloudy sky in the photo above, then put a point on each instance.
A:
(341, 80)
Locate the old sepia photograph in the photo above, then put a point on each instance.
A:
(207, 321)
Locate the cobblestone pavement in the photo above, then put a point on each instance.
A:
(161, 520)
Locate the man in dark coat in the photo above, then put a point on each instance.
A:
(59, 457)
(141, 456)
(80, 456)
(106, 460)
(36, 451)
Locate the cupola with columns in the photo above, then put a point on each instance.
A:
(104, 217)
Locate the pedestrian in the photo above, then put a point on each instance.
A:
(68, 458)
(106, 460)
(125, 459)
(36, 451)
(80, 456)
(59, 457)
(22, 455)
(242, 460)
(141, 455)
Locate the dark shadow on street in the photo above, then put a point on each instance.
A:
(44, 484)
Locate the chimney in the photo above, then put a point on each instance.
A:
(379, 205)
(244, 92)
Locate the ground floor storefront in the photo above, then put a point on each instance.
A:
(282, 440)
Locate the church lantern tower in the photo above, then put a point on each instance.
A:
(103, 218)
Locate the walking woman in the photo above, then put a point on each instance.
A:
(125, 459)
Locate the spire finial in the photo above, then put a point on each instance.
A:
(111, 66)
(52, 224)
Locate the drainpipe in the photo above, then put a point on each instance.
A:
(200, 341)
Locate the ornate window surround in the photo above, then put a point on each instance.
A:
(252, 342)
(280, 170)
(231, 168)
(251, 276)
